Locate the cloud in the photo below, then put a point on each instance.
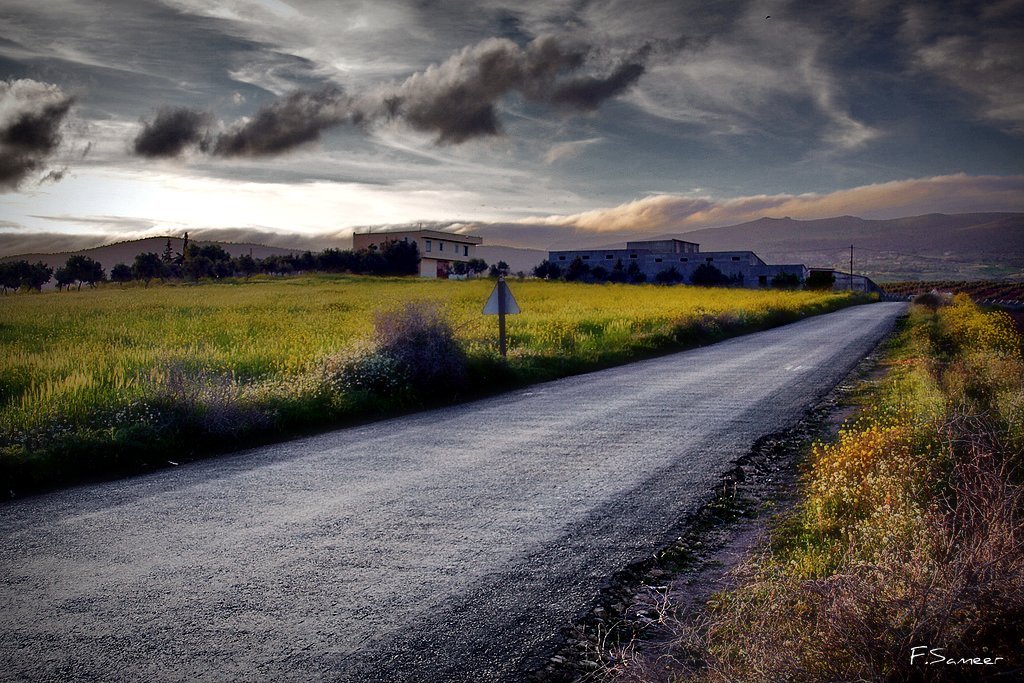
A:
(171, 132)
(31, 118)
(287, 123)
(588, 92)
(977, 50)
(569, 150)
(658, 214)
(456, 100)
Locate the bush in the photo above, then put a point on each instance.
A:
(930, 300)
(708, 275)
(669, 276)
(414, 354)
(820, 280)
(786, 281)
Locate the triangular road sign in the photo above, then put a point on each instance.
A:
(491, 307)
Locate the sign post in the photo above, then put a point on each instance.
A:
(501, 303)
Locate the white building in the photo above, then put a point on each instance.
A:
(438, 250)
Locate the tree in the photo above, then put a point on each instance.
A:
(214, 252)
(577, 270)
(476, 265)
(786, 281)
(121, 273)
(84, 269)
(198, 267)
(599, 273)
(634, 273)
(547, 270)
(147, 266)
(64, 278)
(460, 268)
(333, 260)
(618, 273)
(707, 275)
(11, 274)
(246, 265)
(668, 276)
(166, 257)
(400, 258)
(305, 261)
(222, 269)
(499, 269)
(820, 279)
(38, 274)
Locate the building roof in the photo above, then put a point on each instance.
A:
(426, 234)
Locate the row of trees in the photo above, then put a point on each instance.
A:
(196, 262)
(705, 275)
(579, 271)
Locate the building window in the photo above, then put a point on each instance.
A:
(735, 258)
(440, 246)
(632, 256)
(657, 260)
(609, 257)
(428, 247)
(561, 258)
(683, 260)
(586, 257)
(709, 259)
(465, 250)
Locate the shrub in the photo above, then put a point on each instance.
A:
(709, 276)
(668, 276)
(414, 354)
(820, 279)
(930, 300)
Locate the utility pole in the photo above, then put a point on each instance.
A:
(851, 267)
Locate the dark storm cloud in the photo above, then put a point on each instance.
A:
(588, 92)
(456, 100)
(171, 132)
(31, 117)
(289, 122)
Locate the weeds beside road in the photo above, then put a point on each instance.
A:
(104, 382)
(906, 549)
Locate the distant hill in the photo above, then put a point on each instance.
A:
(930, 247)
(124, 252)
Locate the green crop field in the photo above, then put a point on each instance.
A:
(98, 380)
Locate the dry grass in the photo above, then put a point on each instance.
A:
(910, 533)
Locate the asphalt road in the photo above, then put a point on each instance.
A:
(447, 545)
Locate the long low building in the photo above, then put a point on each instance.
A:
(744, 268)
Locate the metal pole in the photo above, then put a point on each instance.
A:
(501, 315)
(851, 267)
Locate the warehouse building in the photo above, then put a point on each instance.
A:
(743, 268)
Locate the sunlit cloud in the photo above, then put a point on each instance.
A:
(958, 193)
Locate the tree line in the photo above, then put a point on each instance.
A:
(212, 261)
(705, 275)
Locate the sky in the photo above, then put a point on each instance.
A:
(298, 121)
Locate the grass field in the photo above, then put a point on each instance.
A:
(101, 381)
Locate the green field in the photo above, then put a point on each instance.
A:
(102, 381)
